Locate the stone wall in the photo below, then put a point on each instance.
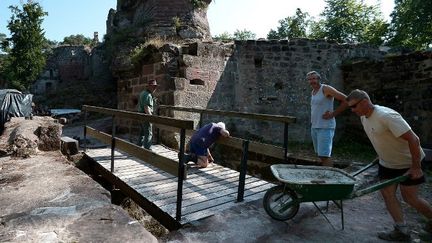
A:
(187, 75)
(251, 76)
(403, 83)
(269, 77)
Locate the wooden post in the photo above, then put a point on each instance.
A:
(157, 129)
(180, 174)
(112, 143)
(243, 169)
(85, 131)
(286, 141)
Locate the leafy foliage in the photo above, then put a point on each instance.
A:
(342, 21)
(199, 3)
(224, 37)
(351, 21)
(244, 35)
(411, 24)
(76, 40)
(291, 27)
(25, 58)
(238, 35)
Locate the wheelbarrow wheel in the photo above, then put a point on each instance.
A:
(276, 200)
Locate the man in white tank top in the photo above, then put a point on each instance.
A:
(323, 116)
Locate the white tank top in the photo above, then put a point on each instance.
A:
(319, 105)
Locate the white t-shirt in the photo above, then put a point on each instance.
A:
(384, 128)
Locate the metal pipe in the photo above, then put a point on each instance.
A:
(112, 143)
(243, 169)
(181, 174)
(286, 141)
(85, 131)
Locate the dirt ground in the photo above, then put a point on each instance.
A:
(363, 218)
(45, 199)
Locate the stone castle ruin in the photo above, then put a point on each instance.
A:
(263, 76)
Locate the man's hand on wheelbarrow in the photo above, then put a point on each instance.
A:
(414, 173)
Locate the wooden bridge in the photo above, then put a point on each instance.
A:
(172, 192)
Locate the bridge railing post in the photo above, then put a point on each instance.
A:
(286, 142)
(157, 128)
(180, 174)
(243, 170)
(113, 143)
(85, 131)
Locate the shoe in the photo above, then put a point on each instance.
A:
(395, 235)
(188, 157)
(425, 236)
(428, 227)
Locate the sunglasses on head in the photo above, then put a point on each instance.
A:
(353, 106)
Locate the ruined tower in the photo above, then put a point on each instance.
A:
(185, 19)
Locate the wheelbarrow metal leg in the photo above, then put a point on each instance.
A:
(340, 206)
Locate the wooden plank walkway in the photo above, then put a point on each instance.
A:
(206, 191)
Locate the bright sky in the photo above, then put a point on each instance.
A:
(66, 17)
(260, 16)
(72, 17)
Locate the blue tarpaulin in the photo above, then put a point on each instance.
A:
(14, 104)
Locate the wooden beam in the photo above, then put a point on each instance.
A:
(256, 116)
(163, 163)
(257, 147)
(186, 124)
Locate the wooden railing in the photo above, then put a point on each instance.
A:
(243, 144)
(257, 147)
(185, 127)
(168, 165)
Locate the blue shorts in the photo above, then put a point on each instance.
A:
(322, 139)
(198, 150)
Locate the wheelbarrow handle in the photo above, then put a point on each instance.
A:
(379, 186)
(374, 162)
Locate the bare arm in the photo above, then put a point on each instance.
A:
(209, 156)
(147, 110)
(414, 147)
(341, 97)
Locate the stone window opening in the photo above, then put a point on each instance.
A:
(197, 82)
(278, 86)
(51, 73)
(258, 62)
(48, 86)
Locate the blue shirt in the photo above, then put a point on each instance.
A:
(206, 135)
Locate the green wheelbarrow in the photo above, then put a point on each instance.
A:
(313, 184)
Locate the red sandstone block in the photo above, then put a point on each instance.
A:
(194, 73)
(147, 69)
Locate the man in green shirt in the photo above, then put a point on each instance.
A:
(145, 105)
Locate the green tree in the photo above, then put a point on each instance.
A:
(48, 47)
(225, 37)
(291, 27)
(411, 24)
(244, 35)
(3, 42)
(76, 40)
(25, 59)
(350, 21)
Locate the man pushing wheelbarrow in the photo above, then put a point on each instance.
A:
(399, 152)
(399, 159)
